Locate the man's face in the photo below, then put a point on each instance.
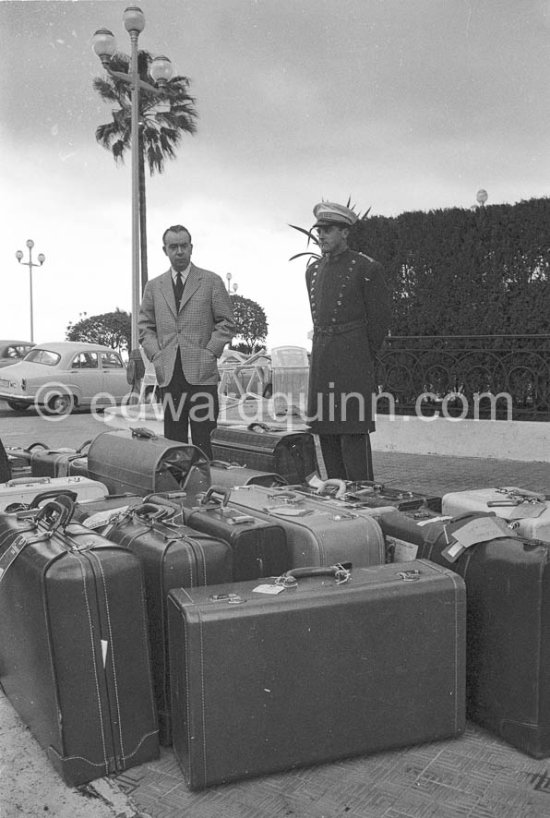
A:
(178, 248)
(332, 239)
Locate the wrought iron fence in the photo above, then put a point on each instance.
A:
(498, 376)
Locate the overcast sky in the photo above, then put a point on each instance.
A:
(401, 104)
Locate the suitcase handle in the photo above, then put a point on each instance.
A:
(28, 481)
(34, 445)
(143, 433)
(47, 514)
(85, 446)
(258, 427)
(53, 495)
(216, 494)
(153, 511)
(333, 482)
(340, 572)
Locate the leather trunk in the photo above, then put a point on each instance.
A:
(74, 644)
(508, 627)
(323, 670)
(315, 535)
(172, 555)
(286, 453)
(140, 462)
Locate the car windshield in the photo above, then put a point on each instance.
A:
(43, 356)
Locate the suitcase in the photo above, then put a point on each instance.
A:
(172, 555)
(526, 511)
(23, 490)
(259, 547)
(56, 462)
(257, 446)
(267, 678)
(367, 494)
(508, 625)
(74, 647)
(20, 458)
(315, 535)
(228, 475)
(140, 462)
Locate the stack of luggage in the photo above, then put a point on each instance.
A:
(257, 617)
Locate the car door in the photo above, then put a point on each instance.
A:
(86, 375)
(114, 380)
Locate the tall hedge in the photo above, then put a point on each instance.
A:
(463, 272)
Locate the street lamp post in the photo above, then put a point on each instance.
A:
(231, 288)
(104, 45)
(30, 264)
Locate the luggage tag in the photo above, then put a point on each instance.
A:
(103, 518)
(402, 550)
(474, 532)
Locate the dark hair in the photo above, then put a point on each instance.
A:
(176, 228)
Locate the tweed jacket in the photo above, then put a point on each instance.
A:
(201, 328)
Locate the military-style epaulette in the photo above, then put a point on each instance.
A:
(365, 256)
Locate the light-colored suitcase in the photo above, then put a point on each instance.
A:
(26, 490)
(526, 512)
(316, 535)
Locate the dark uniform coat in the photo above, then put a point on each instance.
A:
(350, 307)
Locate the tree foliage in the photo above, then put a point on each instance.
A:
(112, 329)
(251, 323)
(465, 272)
(163, 119)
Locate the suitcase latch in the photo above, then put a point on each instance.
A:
(413, 575)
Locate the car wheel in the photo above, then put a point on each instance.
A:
(17, 405)
(61, 404)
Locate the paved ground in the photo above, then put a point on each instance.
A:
(474, 776)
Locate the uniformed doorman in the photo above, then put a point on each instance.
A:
(350, 306)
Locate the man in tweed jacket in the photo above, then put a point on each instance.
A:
(185, 321)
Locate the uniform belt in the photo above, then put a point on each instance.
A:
(338, 329)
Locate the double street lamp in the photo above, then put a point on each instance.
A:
(104, 45)
(231, 289)
(30, 264)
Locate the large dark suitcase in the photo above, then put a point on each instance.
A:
(259, 547)
(172, 555)
(74, 646)
(315, 535)
(257, 446)
(56, 462)
(140, 462)
(228, 475)
(265, 682)
(508, 628)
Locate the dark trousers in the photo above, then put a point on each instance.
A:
(347, 457)
(190, 405)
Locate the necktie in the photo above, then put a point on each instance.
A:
(178, 289)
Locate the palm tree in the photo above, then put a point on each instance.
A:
(164, 119)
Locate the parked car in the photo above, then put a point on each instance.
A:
(11, 352)
(61, 376)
